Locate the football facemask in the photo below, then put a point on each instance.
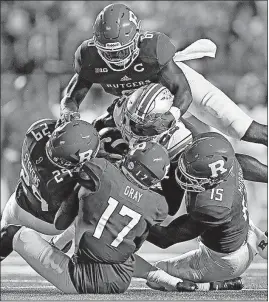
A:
(116, 35)
(207, 162)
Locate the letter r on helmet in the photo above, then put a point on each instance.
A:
(217, 166)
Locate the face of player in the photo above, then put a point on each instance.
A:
(121, 58)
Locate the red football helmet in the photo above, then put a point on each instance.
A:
(209, 160)
(116, 35)
(72, 143)
(146, 164)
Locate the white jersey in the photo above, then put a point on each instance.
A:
(210, 104)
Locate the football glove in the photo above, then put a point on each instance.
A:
(67, 117)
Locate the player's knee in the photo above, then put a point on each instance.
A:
(29, 235)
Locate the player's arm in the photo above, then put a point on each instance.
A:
(172, 77)
(256, 133)
(67, 211)
(181, 229)
(253, 170)
(76, 90)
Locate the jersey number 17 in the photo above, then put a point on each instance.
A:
(125, 211)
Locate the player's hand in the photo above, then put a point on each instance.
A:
(67, 117)
(104, 154)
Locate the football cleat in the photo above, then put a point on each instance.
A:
(7, 235)
(232, 284)
(186, 286)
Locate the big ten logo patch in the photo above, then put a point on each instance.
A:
(101, 70)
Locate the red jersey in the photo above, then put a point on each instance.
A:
(223, 210)
(114, 221)
(156, 50)
(43, 186)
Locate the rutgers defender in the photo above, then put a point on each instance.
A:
(122, 58)
(216, 212)
(116, 210)
(46, 182)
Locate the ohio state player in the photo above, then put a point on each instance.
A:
(116, 210)
(47, 181)
(217, 212)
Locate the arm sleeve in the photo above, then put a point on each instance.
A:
(67, 211)
(213, 107)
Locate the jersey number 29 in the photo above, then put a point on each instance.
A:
(125, 211)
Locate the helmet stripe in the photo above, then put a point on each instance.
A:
(151, 91)
(145, 111)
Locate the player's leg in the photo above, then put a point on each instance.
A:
(152, 274)
(91, 277)
(49, 262)
(206, 266)
(14, 214)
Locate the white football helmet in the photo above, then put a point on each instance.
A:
(148, 114)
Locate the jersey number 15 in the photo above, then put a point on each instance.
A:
(125, 211)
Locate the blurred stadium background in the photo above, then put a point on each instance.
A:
(39, 38)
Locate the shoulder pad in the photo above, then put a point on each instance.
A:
(83, 54)
(157, 48)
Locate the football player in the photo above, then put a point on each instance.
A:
(46, 181)
(149, 114)
(217, 213)
(122, 58)
(116, 209)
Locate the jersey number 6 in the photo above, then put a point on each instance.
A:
(125, 211)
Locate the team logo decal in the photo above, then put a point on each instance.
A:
(217, 166)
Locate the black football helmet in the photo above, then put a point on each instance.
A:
(116, 35)
(72, 143)
(209, 160)
(146, 164)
